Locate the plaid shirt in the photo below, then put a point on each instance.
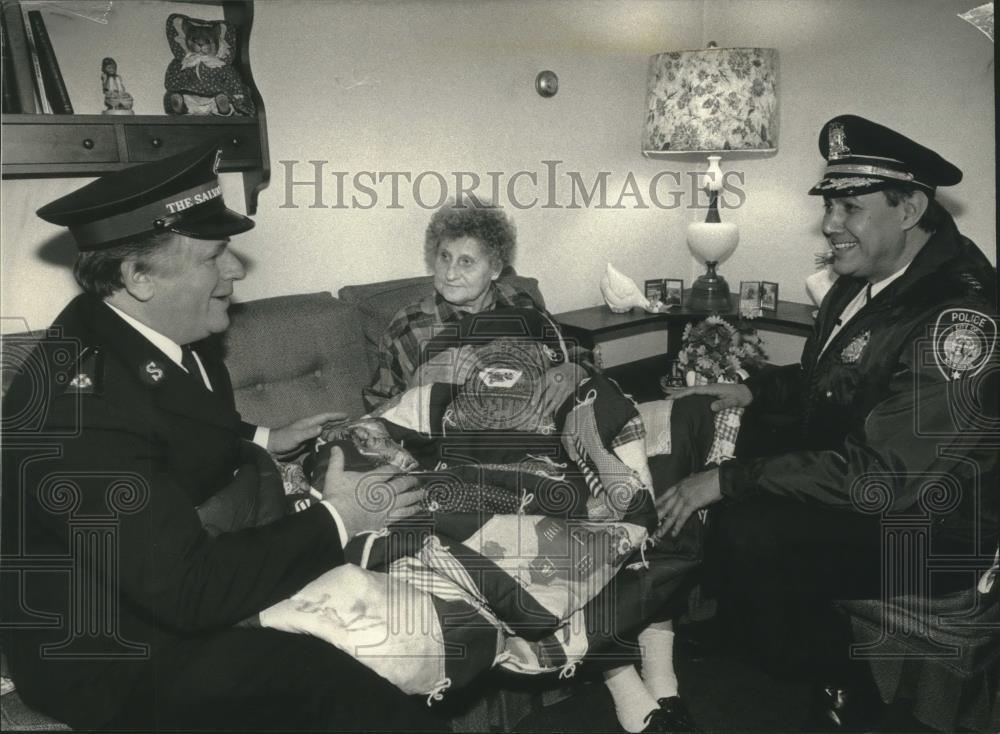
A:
(412, 327)
(399, 349)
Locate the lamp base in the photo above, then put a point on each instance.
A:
(710, 293)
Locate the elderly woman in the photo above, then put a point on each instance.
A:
(467, 248)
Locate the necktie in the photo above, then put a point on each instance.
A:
(189, 363)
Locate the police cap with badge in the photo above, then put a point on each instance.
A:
(863, 157)
(179, 194)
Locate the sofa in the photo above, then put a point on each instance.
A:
(297, 355)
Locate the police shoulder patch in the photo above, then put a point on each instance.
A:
(964, 340)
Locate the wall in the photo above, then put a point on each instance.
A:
(911, 65)
(441, 86)
(444, 87)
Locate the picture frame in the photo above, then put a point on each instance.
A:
(654, 290)
(673, 293)
(750, 297)
(768, 296)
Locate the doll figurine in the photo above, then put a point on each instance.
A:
(202, 78)
(116, 100)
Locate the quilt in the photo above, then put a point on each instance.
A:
(537, 547)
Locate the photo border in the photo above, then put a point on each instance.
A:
(680, 286)
(650, 284)
(747, 305)
(777, 296)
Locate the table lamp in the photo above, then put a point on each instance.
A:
(717, 101)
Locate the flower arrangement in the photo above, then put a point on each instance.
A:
(715, 351)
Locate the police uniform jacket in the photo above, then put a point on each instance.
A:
(109, 449)
(892, 414)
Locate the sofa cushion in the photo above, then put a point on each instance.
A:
(293, 356)
(378, 303)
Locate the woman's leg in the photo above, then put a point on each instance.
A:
(633, 702)
(658, 674)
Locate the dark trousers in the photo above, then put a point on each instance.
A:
(264, 680)
(777, 566)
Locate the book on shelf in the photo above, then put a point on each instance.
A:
(11, 103)
(55, 86)
(41, 99)
(16, 63)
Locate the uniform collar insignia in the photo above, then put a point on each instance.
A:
(837, 137)
(81, 382)
(85, 376)
(852, 352)
(152, 372)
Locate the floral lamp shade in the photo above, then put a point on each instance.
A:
(714, 99)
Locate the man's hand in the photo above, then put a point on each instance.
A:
(369, 500)
(684, 498)
(560, 382)
(729, 396)
(288, 438)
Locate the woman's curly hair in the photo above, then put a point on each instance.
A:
(484, 223)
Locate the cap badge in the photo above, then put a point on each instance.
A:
(152, 372)
(963, 340)
(216, 160)
(837, 137)
(851, 354)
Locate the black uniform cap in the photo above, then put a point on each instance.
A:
(177, 194)
(863, 156)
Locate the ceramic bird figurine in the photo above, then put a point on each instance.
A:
(621, 293)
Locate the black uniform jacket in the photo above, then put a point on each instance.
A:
(109, 448)
(892, 415)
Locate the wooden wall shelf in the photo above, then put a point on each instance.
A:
(47, 146)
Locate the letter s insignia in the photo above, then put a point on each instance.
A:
(152, 372)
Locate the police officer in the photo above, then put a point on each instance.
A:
(123, 450)
(894, 402)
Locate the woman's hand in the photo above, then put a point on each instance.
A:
(560, 382)
(729, 396)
